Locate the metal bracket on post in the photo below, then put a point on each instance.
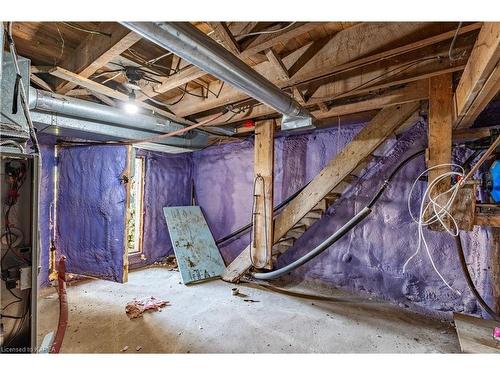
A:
(297, 123)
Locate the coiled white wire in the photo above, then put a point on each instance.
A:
(431, 211)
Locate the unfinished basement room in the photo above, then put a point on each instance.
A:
(249, 187)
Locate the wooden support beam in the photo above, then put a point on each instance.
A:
(364, 143)
(98, 88)
(223, 33)
(308, 54)
(488, 220)
(278, 65)
(372, 74)
(440, 129)
(440, 136)
(483, 61)
(489, 90)
(40, 82)
(263, 208)
(180, 78)
(412, 92)
(95, 51)
(265, 41)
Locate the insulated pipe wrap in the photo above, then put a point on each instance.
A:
(189, 43)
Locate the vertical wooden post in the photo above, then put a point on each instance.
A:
(262, 238)
(440, 129)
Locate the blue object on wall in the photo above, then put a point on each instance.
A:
(197, 254)
(495, 181)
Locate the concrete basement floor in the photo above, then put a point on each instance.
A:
(207, 318)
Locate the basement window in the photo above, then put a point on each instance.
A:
(135, 217)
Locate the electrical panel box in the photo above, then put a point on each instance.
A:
(13, 122)
(19, 251)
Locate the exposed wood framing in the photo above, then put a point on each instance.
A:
(412, 92)
(95, 51)
(265, 41)
(440, 132)
(191, 73)
(278, 65)
(98, 88)
(363, 144)
(225, 36)
(308, 54)
(40, 82)
(180, 78)
(263, 208)
(475, 84)
(489, 220)
(332, 59)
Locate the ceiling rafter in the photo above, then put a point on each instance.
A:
(95, 87)
(400, 60)
(479, 82)
(223, 33)
(191, 73)
(276, 61)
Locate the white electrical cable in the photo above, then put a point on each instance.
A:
(267, 31)
(436, 212)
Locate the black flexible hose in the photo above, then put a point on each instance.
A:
(244, 228)
(346, 228)
(470, 283)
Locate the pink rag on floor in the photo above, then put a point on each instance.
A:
(136, 308)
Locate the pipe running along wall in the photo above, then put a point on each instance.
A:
(88, 117)
(187, 42)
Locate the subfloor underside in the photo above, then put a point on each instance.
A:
(207, 318)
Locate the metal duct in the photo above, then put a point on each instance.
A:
(189, 43)
(48, 102)
(65, 126)
(71, 117)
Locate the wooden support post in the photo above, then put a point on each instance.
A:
(385, 123)
(263, 201)
(480, 80)
(440, 131)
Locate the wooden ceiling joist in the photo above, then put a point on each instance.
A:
(279, 67)
(95, 51)
(223, 33)
(475, 88)
(364, 143)
(191, 73)
(341, 54)
(97, 88)
(409, 68)
(265, 41)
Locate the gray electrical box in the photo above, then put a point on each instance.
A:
(13, 125)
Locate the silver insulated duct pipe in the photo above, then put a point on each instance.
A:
(187, 42)
(88, 120)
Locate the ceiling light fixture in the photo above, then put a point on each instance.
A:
(130, 106)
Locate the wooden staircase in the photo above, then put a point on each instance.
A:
(319, 210)
(345, 168)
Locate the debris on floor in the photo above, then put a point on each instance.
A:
(170, 263)
(136, 308)
(124, 349)
(496, 333)
(137, 348)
